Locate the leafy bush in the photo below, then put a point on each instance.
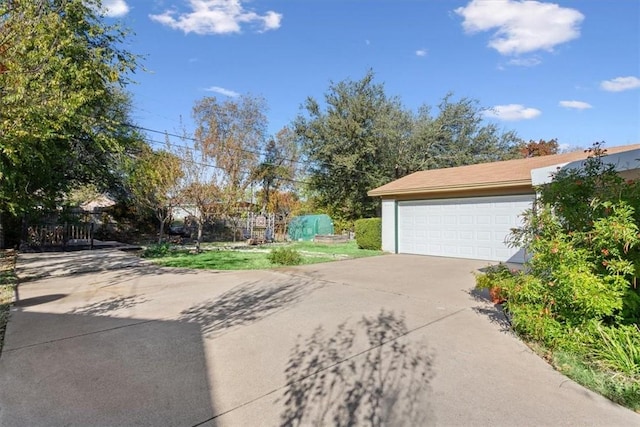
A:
(285, 256)
(494, 275)
(578, 295)
(157, 250)
(369, 233)
(342, 225)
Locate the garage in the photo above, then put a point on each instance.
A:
(468, 211)
(473, 228)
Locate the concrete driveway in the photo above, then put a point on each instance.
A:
(390, 340)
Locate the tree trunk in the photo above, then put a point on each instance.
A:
(1, 232)
(235, 228)
(199, 239)
(161, 232)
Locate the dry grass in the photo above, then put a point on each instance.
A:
(8, 282)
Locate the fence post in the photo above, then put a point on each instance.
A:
(65, 237)
(91, 236)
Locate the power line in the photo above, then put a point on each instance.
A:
(209, 165)
(188, 138)
(259, 153)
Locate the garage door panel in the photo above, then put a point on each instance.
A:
(484, 236)
(465, 235)
(434, 235)
(503, 220)
(466, 228)
(483, 219)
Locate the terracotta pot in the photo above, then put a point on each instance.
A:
(496, 296)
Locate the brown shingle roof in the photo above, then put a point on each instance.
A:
(504, 174)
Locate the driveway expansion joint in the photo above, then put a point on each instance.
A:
(335, 283)
(326, 368)
(76, 336)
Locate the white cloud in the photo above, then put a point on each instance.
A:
(577, 105)
(531, 61)
(223, 91)
(512, 112)
(521, 26)
(115, 8)
(217, 17)
(620, 83)
(421, 52)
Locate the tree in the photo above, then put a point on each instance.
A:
(229, 139)
(364, 139)
(278, 169)
(350, 144)
(61, 104)
(154, 182)
(458, 136)
(540, 148)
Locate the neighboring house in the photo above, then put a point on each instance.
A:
(99, 202)
(469, 211)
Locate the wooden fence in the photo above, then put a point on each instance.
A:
(59, 236)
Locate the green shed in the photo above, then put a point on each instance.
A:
(306, 227)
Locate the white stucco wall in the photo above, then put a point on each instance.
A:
(625, 161)
(388, 225)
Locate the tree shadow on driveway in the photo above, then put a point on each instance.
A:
(330, 383)
(247, 303)
(109, 305)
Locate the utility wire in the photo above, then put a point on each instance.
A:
(259, 153)
(209, 165)
(306, 164)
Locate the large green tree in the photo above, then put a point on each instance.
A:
(62, 109)
(456, 136)
(351, 144)
(361, 138)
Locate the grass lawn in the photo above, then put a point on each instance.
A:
(8, 282)
(256, 258)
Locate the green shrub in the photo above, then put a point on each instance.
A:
(157, 250)
(342, 225)
(578, 295)
(493, 276)
(369, 233)
(285, 256)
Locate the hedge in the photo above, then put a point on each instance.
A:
(369, 233)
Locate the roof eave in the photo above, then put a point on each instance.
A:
(451, 188)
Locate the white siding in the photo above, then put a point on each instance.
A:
(388, 225)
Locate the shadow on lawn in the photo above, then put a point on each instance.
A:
(247, 303)
(330, 383)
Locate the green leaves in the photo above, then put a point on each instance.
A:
(363, 139)
(62, 114)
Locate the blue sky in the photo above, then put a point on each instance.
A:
(566, 69)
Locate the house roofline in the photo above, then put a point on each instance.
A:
(451, 188)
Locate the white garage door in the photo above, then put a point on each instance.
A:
(473, 228)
